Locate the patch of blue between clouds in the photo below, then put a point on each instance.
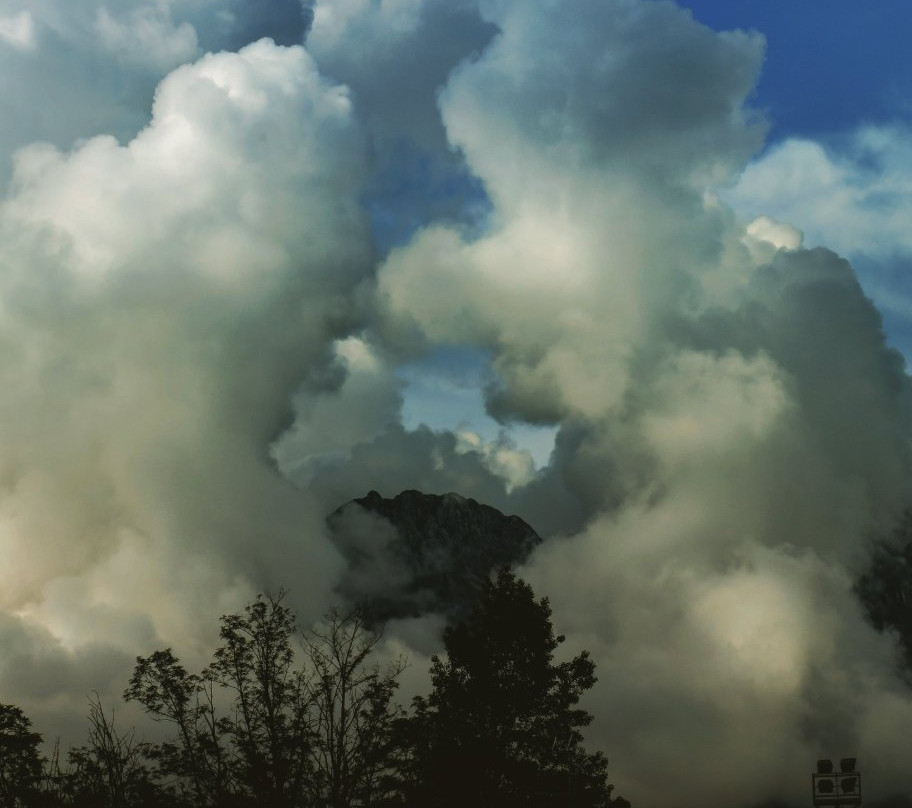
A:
(412, 190)
(445, 391)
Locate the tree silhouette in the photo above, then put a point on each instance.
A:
(501, 726)
(196, 760)
(20, 761)
(290, 734)
(110, 770)
(280, 719)
(258, 752)
(885, 589)
(270, 730)
(353, 715)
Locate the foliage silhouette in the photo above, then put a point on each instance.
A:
(501, 726)
(354, 718)
(20, 761)
(885, 589)
(256, 728)
(110, 771)
(281, 719)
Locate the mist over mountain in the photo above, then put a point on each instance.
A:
(417, 553)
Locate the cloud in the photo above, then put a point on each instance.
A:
(732, 425)
(147, 35)
(92, 66)
(851, 196)
(557, 147)
(330, 422)
(730, 673)
(202, 356)
(162, 301)
(18, 31)
(396, 55)
(501, 456)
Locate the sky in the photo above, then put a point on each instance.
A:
(635, 271)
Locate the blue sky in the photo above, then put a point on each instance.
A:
(829, 66)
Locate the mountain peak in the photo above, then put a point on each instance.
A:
(416, 553)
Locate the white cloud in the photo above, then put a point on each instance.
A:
(852, 197)
(572, 157)
(18, 30)
(174, 294)
(375, 26)
(147, 36)
(161, 302)
(502, 457)
(82, 67)
(779, 235)
(731, 423)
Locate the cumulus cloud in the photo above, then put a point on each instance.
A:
(202, 357)
(501, 456)
(732, 425)
(162, 301)
(396, 55)
(83, 67)
(851, 196)
(147, 35)
(329, 422)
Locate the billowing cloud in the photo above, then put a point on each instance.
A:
(203, 354)
(852, 196)
(161, 302)
(85, 67)
(733, 426)
(396, 55)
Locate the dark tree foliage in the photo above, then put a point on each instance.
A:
(256, 728)
(20, 761)
(279, 720)
(501, 727)
(110, 770)
(885, 588)
(270, 731)
(195, 761)
(352, 713)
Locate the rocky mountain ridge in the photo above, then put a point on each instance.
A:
(417, 553)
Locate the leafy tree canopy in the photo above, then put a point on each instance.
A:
(885, 588)
(502, 725)
(20, 761)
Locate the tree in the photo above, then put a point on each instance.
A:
(197, 758)
(270, 731)
(110, 771)
(257, 754)
(20, 761)
(317, 734)
(885, 589)
(353, 716)
(501, 726)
